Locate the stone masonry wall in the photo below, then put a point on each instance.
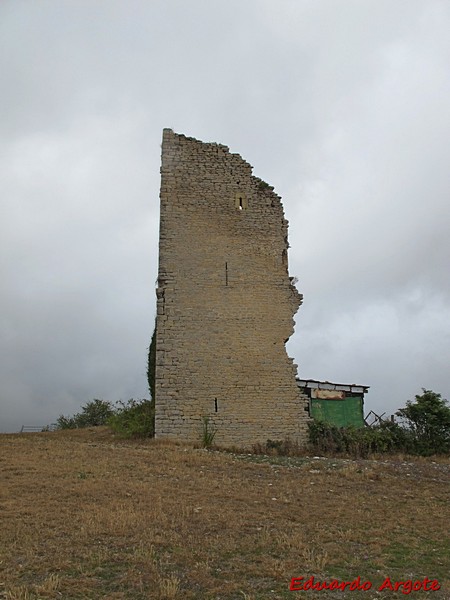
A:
(225, 302)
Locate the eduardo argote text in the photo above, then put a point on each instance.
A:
(299, 584)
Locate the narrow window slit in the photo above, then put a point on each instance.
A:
(215, 405)
(226, 273)
(240, 201)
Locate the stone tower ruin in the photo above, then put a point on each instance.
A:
(225, 302)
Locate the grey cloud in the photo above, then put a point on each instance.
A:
(341, 106)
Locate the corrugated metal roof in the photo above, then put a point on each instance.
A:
(328, 385)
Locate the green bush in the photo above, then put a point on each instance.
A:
(151, 364)
(360, 442)
(425, 431)
(93, 413)
(135, 418)
(63, 422)
(427, 420)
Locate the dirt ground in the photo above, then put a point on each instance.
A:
(88, 516)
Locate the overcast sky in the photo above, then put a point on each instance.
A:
(342, 105)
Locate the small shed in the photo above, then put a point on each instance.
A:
(339, 404)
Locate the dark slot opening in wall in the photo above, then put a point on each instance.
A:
(216, 409)
(226, 273)
(240, 201)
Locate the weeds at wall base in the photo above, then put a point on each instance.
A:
(326, 439)
(387, 438)
(208, 433)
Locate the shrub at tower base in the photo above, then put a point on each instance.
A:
(424, 430)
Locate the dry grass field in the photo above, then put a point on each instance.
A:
(86, 515)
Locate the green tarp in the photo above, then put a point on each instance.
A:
(342, 413)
